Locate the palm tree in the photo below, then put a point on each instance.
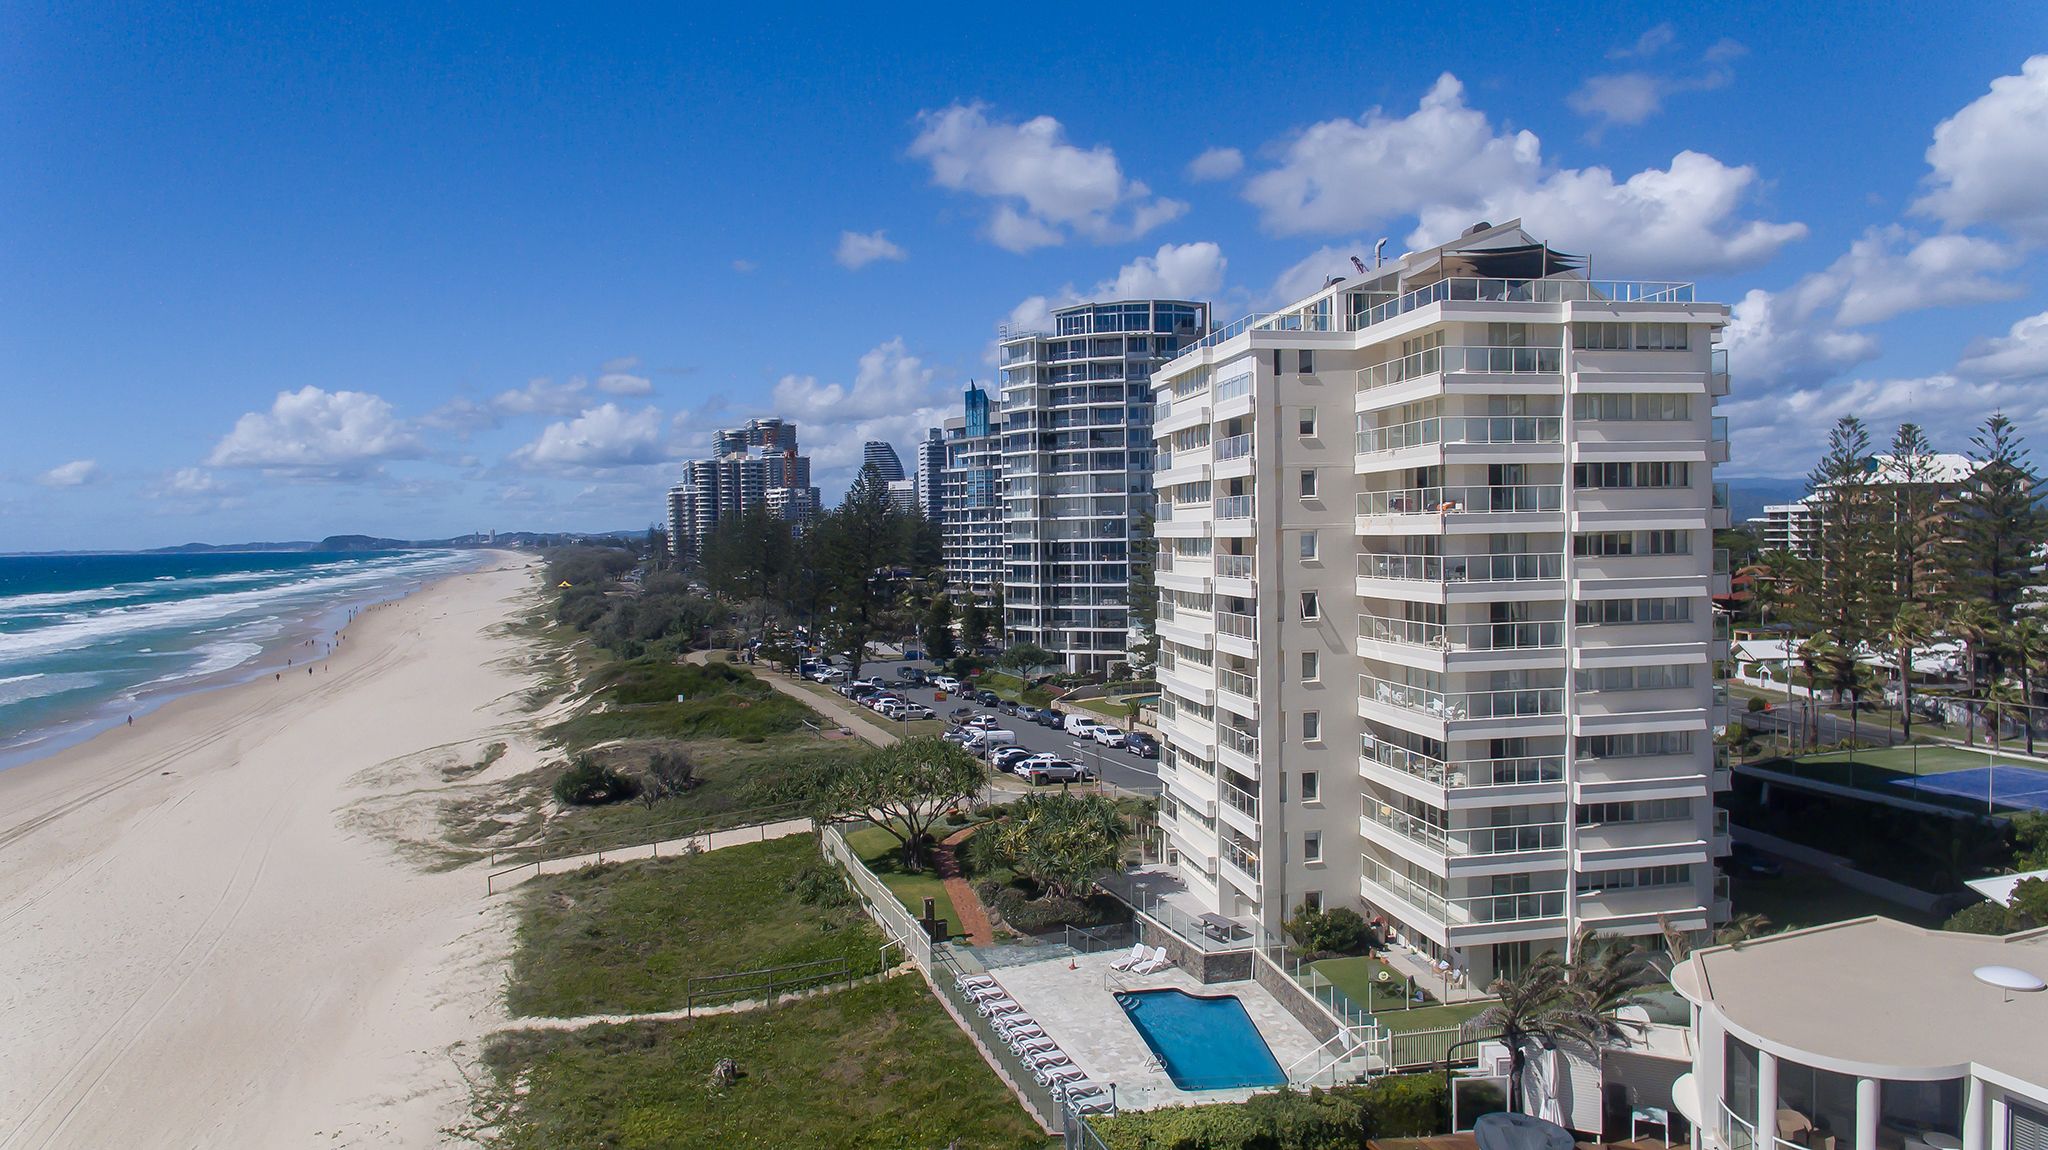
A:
(2028, 640)
(1910, 628)
(1607, 975)
(1741, 929)
(1817, 656)
(1974, 626)
(1539, 1008)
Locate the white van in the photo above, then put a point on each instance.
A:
(1078, 723)
(992, 737)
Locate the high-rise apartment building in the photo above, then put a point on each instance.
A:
(1077, 469)
(1435, 558)
(971, 498)
(931, 466)
(884, 457)
(758, 464)
(1935, 478)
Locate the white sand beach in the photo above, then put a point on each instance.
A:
(206, 943)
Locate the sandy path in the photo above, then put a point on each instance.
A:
(203, 946)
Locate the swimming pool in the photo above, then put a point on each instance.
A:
(1205, 1042)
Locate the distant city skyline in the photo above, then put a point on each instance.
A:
(283, 275)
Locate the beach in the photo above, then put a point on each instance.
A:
(212, 932)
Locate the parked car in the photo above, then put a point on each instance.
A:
(959, 735)
(1060, 771)
(911, 711)
(1006, 758)
(1051, 718)
(1108, 736)
(982, 722)
(870, 681)
(1142, 745)
(910, 674)
(946, 683)
(1007, 707)
(959, 713)
(987, 698)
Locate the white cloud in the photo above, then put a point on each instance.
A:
(1044, 187)
(857, 251)
(744, 266)
(1445, 165)
(76, 473)
(620, 363)
(1621, 98)
(890, 379)
(194, 481)
(312, 431)
(624, 383)
(1311, 273)
(1648, 44)
(542, 396)
(1176, 271)
(1775, 338)
(1216, 164)
(604, 436)
(2021, 353)
(1990, 160)
(1782, 431)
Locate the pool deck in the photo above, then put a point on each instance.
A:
(1079, 1011)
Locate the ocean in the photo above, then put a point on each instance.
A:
(86, 641)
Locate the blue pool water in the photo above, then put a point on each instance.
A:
(1206, 1043)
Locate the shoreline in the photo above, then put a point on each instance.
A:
(154, 696)
(214, 930)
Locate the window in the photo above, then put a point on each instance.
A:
(1312, 900)
(1610, 475)
(1644, 811)
(1651, 678)
(1311, 786)
(1308, 483)
(1629, 336)
(1306, 418)
(1633, 543)
(1308, 545)
(1277, 369)
(1311, 605)
(1597, 611)
(1647, 744)
(1632, 408)
(1311, 726)
(1305, 361)
(1312, 847)
(1311, 666)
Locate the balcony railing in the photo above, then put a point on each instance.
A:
(1491, 360)
(1235, 447)
(1237, 626)
(1524, 499)
(1233, 387)
(1524, 907)
(1234, 567)
(1234, 507)
(1238, 798)
(1517, 703)
(1721, 496)
(1243, 742)
(1408, 826)
(1718, 430)
(1237, 683)
(1405, 888)
(1526, 838)
(1461, 430)
(1465, 774)
(1535, 565)
(1238, 855)
(1462, 636)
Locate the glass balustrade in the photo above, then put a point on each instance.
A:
(1521, 499)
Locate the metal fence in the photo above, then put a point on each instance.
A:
(882, 903)
(1036, 1096)
(766, 983)
(685, 833)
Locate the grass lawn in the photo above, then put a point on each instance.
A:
(881, 852)
(1358, 978)
(1429, 1017)
(1012, 688)
(872, 1068)
(629, 936)
(1801, 898)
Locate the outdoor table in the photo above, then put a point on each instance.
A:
(1219, 927)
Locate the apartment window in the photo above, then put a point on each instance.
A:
(1628, 408)
(1629, 336)
(1597, 611)
(1305, 361)
(1311, 605)
(1646, 744)
(1643, 811)
(1306, 419)
(1633, 543)
(1651, 678)
(1308, 546)
(1311, 786)
(1311, 726)
(1312, 847)
(1635, 878)
(1312, 900)
(1308, 483)
(1277, 369)
(1623, 475)
(1311, 667)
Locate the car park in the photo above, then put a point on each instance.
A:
(1142, 745)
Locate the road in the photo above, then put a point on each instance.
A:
(1872, 728)
(1118, 768)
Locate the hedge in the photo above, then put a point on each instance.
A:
(1397, 1106)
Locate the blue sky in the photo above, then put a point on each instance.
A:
(275, 274)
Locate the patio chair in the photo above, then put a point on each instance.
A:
(1028, 1032)
(1158, 962)
(992, 990)
(965, 981)
(1137, 955)
(1058, 1075)
(1011, 1024)
(1080, 1092)
(1032, 1044)
(993, 1007)
(1049, 1059)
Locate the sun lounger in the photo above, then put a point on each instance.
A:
(1056, 1075)
(1080, 1092)
(983, 993)
(995, 1006)
(1159, 961)
(1013, 1025)
(963, 981)
(1048, 1059)
(1137, 955)
(1030, 1044)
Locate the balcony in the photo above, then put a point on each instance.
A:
(1234, 507)
(1467, 842)
(1404, 888)
(1460, 637)
(1237, 626)
(1238, 799)
(1231, 388)
(1242, 859)
(1239, 741)
(1487, 360)
(1485, 909)
(1520, 703)
(1235, 447)
(1519, 567)
(1444, 501)
(1452, 431)
(1468, 774)
(1235, 567)
(1237, 683)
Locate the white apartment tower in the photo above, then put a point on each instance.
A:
(1435, 558)
(1077, 469)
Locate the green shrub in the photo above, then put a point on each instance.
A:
(1405, 1106)
(1398, 1106)
(819, 885)
(981, 854)
(1029, 913)
(1979, 918)
(1339, 930)
(1756, 703)
(587, 783)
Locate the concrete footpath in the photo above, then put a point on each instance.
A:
(714, 840)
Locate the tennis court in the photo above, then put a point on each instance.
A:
(2008, 785)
